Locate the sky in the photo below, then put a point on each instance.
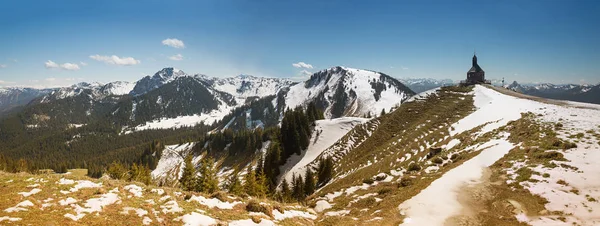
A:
(58, 43)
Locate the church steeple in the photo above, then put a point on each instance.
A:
(474, 60)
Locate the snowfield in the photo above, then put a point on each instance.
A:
(325, 134)
(171, 161)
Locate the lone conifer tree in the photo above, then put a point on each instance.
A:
(208, 181)
(188, 178)
(325, 171)
(309, 183)
(235, 185)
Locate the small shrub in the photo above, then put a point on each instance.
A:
(569, 145)
(413, 167)
(546, 175)
(384, 191)
(438, 160)
(563, 182)
(405, 182)
(433, 152)
(549, 155)
(445, 157)
(221, 196)
(380, 178)
(368, 181)
(454, 157)
(281, 210)
(255, 206)
(524, 174)
(187, 196)
(575, 191)
(365, 203)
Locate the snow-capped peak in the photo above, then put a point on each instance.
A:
(344, 91)
(118, 88)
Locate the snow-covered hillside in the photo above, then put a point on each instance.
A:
(440, 200)
(325, 134)
(118, 88)
(245, 86)
(343, 91)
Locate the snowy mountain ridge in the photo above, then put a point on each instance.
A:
(343, 91)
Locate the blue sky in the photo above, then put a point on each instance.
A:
(51, 43)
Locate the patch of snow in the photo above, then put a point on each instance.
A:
(19, 207)
(138, 211)
(85, 184)
(322, 205)
(32, 192)
(158, 191)
(338, 213)
(214, 202)
(67, 201)
(134, 189)
(292, 213)
(196, 219)
(171, 207)
(12, 219)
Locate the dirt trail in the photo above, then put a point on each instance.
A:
(472, 198)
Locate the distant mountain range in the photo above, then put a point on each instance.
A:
(15, 97)
(572, 92)
(423, 84)
(172, 98)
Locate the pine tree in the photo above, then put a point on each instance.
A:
(382, 112)
(260, 164)
(207, 181)
(116, 170)
(309, 183)
(271, 165)
(140, 173)
(235, 185)
(285, 190)
(261, 185)
(188, 178)
(298, 191)
(250, 184)
(325, 171)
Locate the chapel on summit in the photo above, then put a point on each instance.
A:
(475, 75)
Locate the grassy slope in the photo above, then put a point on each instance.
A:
(12, 184)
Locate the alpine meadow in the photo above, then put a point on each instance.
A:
(269, 113)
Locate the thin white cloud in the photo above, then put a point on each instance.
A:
(3, 66)
(125, 61)
(302, 65)
(66, 66)
(176, 57)
(2, 82)
(305, 73)
(50, 79)
(173, 42)
(404, 68)
(50, 64)
(83, 63)
(70, 66)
